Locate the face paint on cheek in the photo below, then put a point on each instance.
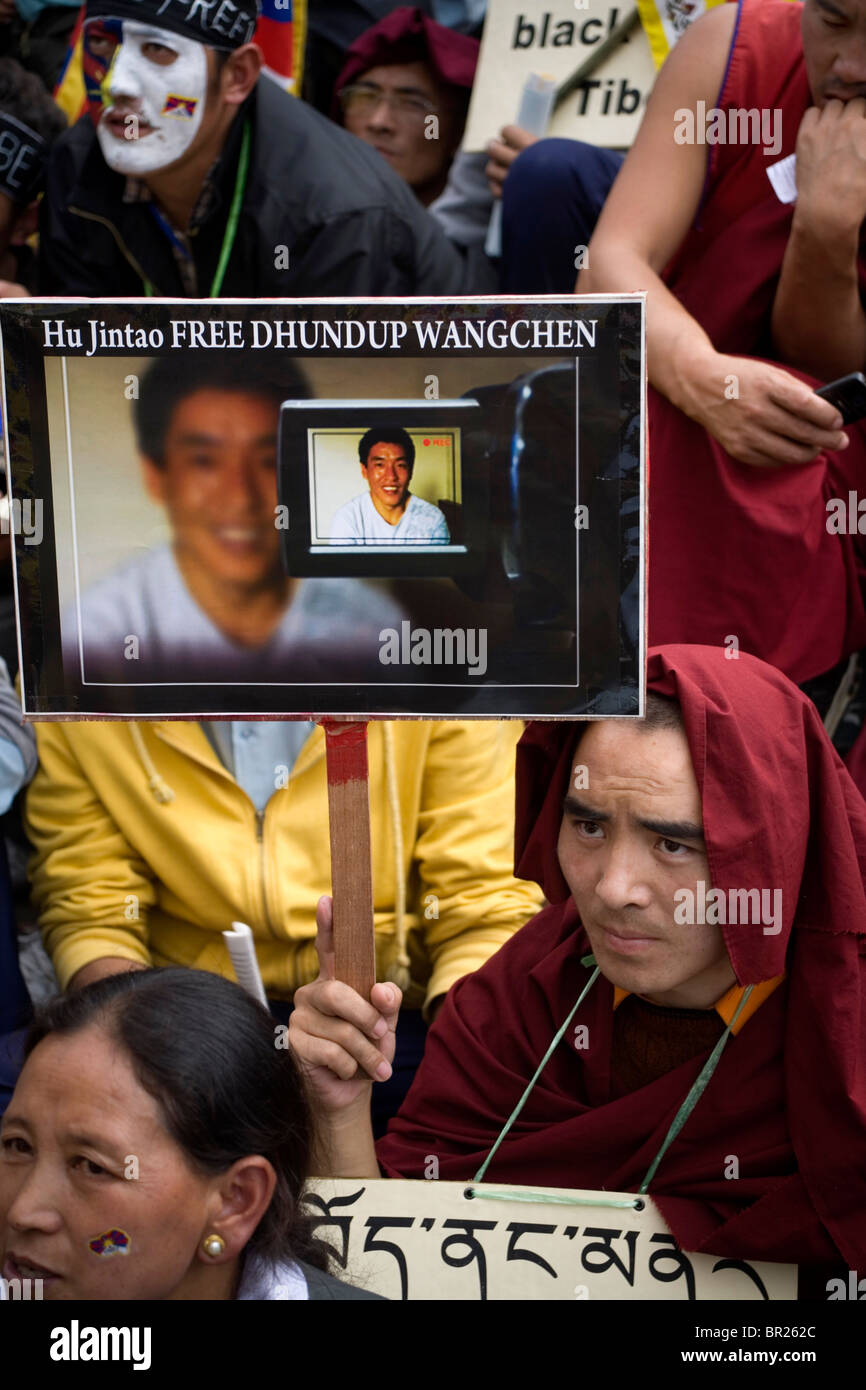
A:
(181, 107)
(153, 110)
(113, 1242)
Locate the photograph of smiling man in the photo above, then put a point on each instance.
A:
(388, 511)
(212, 601)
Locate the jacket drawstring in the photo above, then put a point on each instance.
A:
(160, 789)
(398, 971)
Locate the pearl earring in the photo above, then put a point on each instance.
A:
(213, 1245)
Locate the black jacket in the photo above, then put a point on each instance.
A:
(325, 1286)
(350, 224)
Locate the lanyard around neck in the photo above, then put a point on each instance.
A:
(688, 1105)
(233, 218)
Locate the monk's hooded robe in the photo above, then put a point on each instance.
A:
(788, 1096)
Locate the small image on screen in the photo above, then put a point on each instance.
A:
(387, 486)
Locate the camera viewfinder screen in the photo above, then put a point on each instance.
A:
(385, 487)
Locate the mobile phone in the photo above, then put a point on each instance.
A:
(848, 394)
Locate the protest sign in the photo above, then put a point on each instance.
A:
(475, 1241)
(197, 531)
(553, 38)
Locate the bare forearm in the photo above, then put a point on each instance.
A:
(759, 413)
(675, 341)
(98, 969)
(818, 322)
(344, 1146)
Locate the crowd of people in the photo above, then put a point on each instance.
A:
(522, 878)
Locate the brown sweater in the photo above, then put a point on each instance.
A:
(649, 1040)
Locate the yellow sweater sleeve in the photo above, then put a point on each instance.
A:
(468, 901)
(91, 889)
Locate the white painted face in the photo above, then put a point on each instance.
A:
(154, 94)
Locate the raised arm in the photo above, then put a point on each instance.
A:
(344, 1045)
(652, 204)
(818, 319)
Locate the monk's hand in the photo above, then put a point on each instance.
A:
(10, 289)
(343, 1042)
(831, 169)
(761, 414)
(503, 152)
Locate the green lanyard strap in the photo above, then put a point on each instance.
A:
(680, 1118)
(587, 960)
(695, 1093)
(233, 218)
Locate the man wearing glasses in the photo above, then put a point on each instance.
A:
(405, 90)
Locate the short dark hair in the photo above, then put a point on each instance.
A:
(662, 712)
(23, 96)
(206, 1051)
(387, 435)
(169, 380)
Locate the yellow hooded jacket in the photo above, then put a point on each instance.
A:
(146, 848)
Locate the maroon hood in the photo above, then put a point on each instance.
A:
(408, 36)
(779, 809)
(788, 1096)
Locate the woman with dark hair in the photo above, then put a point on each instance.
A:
(156, 1147)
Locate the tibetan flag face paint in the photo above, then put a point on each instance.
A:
(184, 107)
(113, 1242)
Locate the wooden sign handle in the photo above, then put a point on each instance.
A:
(351, 868)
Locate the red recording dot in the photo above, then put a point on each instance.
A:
(426, 442)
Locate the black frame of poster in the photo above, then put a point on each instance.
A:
(549, 528)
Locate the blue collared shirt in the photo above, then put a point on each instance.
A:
(255, 751)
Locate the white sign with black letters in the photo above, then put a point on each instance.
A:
(433, 1240)
(553, 38)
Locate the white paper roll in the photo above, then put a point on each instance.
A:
(242, 950)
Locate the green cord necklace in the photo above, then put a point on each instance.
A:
(688, 1105)
(231, 224)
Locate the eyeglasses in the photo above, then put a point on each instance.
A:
(363, 100)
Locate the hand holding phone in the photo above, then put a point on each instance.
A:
(848, 394)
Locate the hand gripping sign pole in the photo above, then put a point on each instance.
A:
(351, 868)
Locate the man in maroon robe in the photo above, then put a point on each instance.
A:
(720, 844)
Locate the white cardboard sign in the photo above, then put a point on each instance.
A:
(431, 1240)
(553, 38)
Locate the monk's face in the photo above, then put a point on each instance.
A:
(834, 46)
(631, 837)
